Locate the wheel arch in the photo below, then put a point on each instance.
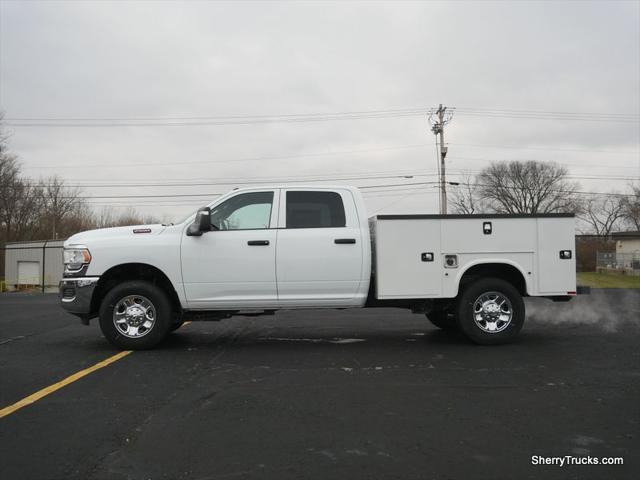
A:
(503, 269)
(134, 271)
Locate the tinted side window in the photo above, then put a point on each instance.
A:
(315, 210)
(246, 211)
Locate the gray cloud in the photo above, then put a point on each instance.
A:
(171, 59)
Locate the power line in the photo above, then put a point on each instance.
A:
(395, 193)
(181, 195)
(539, 115)
(233, 182)
(554, 149)
(362, 187)
(577, 192)
(212, 121)
(237, 182)
(569, 177)
(221, 120)
(563, 163)
(388, 111)
(246, 159)
(548, 112)
(277, 179)
(191, 203)
(221, 117)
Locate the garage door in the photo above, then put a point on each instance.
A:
(28, 273)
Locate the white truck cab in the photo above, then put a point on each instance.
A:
(257, 250)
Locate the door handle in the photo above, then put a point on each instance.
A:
(257, 242)
(342, 241)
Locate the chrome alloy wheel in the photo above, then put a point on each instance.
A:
(492, 312)
(134, 316)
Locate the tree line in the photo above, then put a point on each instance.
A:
(533, 187)
(47, 208)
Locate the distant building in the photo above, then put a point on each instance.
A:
(36, 264)
(627, 256)
(627, 242)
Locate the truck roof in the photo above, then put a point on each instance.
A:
(298, 186)
(475, 215)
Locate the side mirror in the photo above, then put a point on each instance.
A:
(202, 223)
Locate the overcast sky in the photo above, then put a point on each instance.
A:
(185, 62)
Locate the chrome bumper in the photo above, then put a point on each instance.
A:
(75, 296)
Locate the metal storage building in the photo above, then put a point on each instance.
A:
(33, 264)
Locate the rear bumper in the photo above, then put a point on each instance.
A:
(580, 290)
(75, 296)
(583, 290)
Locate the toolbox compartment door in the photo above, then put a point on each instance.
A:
(408, 260)
(556, 273)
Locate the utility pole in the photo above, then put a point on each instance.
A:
(437, 127)
(55, 212)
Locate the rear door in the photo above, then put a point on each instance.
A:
(319, 248)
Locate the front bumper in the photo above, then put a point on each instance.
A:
(75, 296)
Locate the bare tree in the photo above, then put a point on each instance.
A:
(529, 187)
(48, 208)
(631, 213)
(18, 201)
(109, 217)
(466, 199)
(603, 213)
(80, 219)
(58, 203)
(9, 181)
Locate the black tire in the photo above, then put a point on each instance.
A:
(175, 326)
(506, 331)
(442, 319)
(163, 320)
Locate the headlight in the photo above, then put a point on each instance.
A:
(75, 258)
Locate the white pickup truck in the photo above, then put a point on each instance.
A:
(257, 250)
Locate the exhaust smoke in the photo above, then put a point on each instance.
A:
(608, 309)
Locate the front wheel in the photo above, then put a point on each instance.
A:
(135, 315)
(490, 312)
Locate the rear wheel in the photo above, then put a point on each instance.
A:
(490, 311)
(135, 315)
(442, 319)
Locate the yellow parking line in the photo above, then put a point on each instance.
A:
(62, 383)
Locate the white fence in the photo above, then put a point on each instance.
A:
(628, 263)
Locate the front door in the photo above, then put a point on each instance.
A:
(233, 266)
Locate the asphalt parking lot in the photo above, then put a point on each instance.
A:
(324, 394)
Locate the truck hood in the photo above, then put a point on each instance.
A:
(85, 238)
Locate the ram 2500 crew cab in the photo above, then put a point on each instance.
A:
(257, 250)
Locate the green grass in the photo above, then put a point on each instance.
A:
(608, 280)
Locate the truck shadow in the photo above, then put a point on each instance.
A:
(338, 340)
